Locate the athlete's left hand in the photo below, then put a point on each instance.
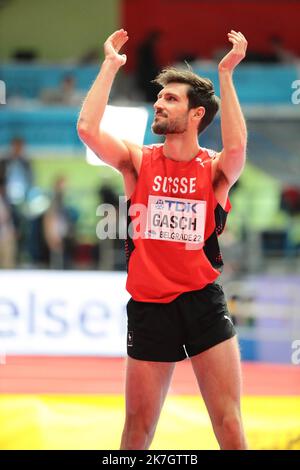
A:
(237, 53)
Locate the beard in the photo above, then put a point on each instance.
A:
(164, 126)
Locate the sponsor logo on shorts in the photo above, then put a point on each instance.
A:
(130, 339)
(228, 318)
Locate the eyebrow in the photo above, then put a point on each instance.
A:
(168, 93)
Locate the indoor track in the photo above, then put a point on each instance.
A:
(78, 403)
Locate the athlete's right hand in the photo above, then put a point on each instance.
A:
(113, 45)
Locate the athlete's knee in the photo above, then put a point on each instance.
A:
(232, 429)
(231, 423)
(138, 432)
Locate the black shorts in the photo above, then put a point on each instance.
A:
(169, 332)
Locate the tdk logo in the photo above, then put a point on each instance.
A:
(181, 206)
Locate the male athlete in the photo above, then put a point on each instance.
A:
(176, 309)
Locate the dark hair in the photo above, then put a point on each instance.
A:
(200, 92)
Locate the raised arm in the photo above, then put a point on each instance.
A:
(111, 150)
(231, 160)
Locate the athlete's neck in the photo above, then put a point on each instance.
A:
(181, 147)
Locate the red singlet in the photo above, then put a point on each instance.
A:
(174, 220)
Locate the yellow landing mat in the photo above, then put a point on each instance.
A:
(95, 422)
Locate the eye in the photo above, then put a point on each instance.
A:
(171, 98)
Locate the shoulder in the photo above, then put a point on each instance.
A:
(154, 152)
(139, 154)
(211, 158)
(153, 149)
(151, 152)
(211, 154)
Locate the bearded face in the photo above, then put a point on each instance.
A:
(171, 110)
(164, 124)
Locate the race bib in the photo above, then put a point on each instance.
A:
(176, 219)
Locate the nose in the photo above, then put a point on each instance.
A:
(158, 100)
(157, 105)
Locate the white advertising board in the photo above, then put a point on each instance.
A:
(68, 313)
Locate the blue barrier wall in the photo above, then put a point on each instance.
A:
(55, 126)
(254, 83)
(29, 80)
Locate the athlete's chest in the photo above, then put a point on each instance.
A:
(182, 181)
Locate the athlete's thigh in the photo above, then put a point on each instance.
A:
(218, 373)
(147, 384)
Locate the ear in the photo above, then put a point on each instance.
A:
(199, 112)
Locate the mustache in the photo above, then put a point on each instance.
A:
(160, 113)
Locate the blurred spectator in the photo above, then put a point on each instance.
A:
(239, 308)
(15, 170)
(290, 204)
(290, 200)
(275, 52)
(107, 195)
(66, 94)
(186, 58)
(91, 56)
(59, 223)
(36, 246)
(278, 52)
(16, 174)
(111, 252)
(25, 55)
(7, 232)
(147, 66)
